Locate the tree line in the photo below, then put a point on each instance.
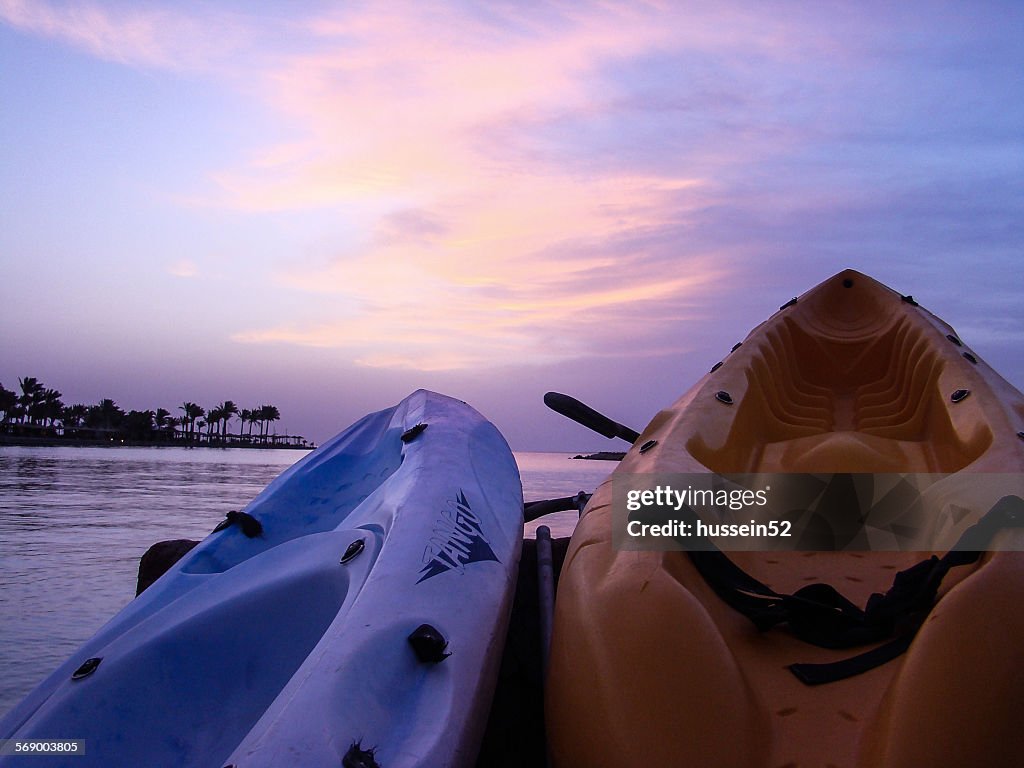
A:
(38, 411)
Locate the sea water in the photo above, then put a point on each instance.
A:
(75, 521)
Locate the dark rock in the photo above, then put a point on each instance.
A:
(158, 559)
(602, 456)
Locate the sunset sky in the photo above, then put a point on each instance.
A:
(327, 205)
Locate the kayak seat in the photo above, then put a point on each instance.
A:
(339, 481)
(813, 396)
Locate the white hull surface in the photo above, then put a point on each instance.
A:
(271, 651)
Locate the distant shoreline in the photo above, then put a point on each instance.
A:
(28, 441)
(38, 416)
(602, 456)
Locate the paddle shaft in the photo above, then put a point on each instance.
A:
(534, 509)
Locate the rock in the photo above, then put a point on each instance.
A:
(602, 456)
(158, 559)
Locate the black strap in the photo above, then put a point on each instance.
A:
(818, 614)
(819, 674)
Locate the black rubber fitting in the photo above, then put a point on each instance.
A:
(88, 667)
(353, 551)
(357, 757)
(412, 433)
(429, 644)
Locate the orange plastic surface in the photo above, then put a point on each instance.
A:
(650, 668)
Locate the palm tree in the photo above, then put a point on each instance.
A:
(243, 416)
(227, 410)
(50, 406)
(77, 413)
(171, 424)
(186, 420)
(8, 403)
(256, 418)
(197, 412)
(32, 392)
(160, 420)
(138, 425)
(73, 416)
(213, 418)
(268, 413)
(192, 412)
(105, 415)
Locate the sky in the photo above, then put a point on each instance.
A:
(325, 206)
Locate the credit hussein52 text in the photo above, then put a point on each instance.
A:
(682, 529)
(668, 499)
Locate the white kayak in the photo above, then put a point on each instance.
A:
(354, 614)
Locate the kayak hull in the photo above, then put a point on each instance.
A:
(650, 667)
(292, 646)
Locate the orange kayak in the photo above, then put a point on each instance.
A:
(652, 666)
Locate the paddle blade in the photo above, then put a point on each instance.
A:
(572, 408)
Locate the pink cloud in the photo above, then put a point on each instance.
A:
(134, 34)
(390, 112)
(405, 120)
(491, 292)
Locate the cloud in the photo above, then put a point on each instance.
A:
(405, 105)
(534, 182)
(134, 34)
(185, 268)
(410, 225)
(540, 278)
(471, 252)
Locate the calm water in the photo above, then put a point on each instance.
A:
(75, 521)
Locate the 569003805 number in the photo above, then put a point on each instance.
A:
(52, 747)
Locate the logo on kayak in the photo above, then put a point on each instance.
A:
(457, 541)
